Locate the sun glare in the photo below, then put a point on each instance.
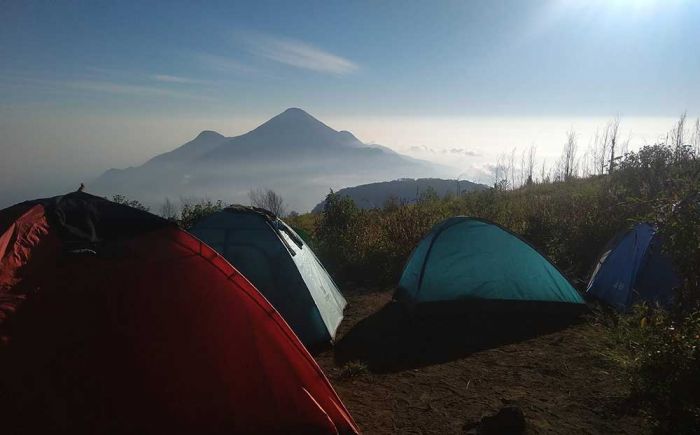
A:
(621, 7)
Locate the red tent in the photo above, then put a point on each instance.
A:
(113, 320)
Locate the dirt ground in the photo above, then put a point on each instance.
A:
(398, 374)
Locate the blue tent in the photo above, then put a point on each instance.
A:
(468, 259)
(280, 265)
(632, 269)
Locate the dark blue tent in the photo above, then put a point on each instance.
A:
(634, 269)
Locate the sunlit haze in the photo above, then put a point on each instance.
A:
(88, 86)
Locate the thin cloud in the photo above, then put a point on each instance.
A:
(462, 151)
(129, 89)
(107, 71)
(457, 151)
(223, 64)
(299, 55)
(115, 74)
(166, 78)
(111, 87)
(421, 148)
(137, 85)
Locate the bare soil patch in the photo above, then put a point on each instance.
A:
(397, 374)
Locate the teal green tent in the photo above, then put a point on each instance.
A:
(280, 265)
(468, 259)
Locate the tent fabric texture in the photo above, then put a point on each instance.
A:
(113, 320)
(469, 259)
(280, 265)
(632, 269)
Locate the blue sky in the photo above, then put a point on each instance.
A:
(126, 79)
(485, 58)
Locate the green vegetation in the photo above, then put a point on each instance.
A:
(661, 356)
(191, 212)
(121, 199)
(570, 220)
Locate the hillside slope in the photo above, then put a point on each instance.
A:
(406, 190)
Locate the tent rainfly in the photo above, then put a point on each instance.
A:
(634, 269)
(478, 262)
(278, 262)
(113, 320)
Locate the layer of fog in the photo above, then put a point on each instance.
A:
(45, 155)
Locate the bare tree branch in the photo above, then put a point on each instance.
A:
(613, 129)
(267, 199)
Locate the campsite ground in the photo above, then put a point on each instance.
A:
(398, 375)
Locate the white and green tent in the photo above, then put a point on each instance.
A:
(280, 265)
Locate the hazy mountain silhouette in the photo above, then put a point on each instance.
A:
(293, 153)
(408, 190)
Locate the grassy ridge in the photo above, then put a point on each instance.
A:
(570, 221)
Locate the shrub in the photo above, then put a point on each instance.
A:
(337, 233)
(192, 212)
(662, 358)
(681, 232)
(121, 199)
(568, 221)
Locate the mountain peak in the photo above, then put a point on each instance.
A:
(203, 143)
(293, 110)
(294, 122)
(295, 114)
(209, 134)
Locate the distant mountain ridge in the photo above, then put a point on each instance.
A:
(293, 153)
(205, 142)
(375, 195)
